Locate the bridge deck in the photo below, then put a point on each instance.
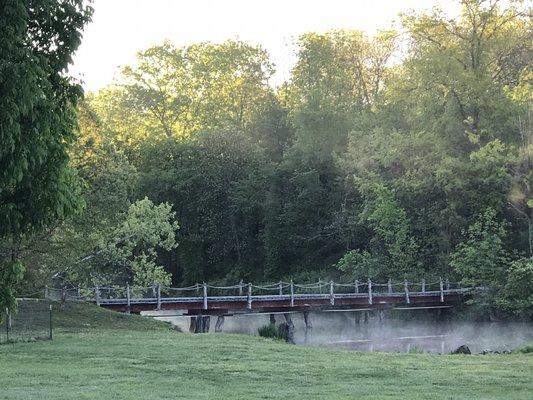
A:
(226, 305)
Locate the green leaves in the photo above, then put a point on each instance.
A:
(37, 119)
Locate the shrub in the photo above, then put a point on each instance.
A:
(270, 331)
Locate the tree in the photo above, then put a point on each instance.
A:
(481, 260)
(37, 121)
(462, 69)
(177, 92)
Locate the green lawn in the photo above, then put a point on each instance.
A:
(97, 354)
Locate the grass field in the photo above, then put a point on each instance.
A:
(97, 354)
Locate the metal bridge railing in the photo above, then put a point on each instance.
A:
(205, 293)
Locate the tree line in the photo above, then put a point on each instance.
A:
(403, 155)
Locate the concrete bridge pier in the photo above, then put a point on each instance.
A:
(272, 319)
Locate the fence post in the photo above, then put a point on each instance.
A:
(356, 286)
(423, 286)
(369, 291)
(407, 300)
(240, 287)
(389, 285)
(8, 316)
(292, 294)
(46, 292)
(158, 297)
(128, 296)
(441, 291)
(280, 285)
(447, 284)
(50, 322)
(205, 295)
(97, 295)
(249, 298)
(331, 294)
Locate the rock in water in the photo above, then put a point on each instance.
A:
(462, 350)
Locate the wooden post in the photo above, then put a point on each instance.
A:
(280, 285)
(423, 286)
(50, 322)
(441, 291)
(356, 286)
(406, 287)
(158, 297)
(7, 324)
(369, 291)
(331, 294)
(249, 298)
(128, 297)
(240, 287)
(97, 295)
(390, 286)
(205, 295)
(292, 294)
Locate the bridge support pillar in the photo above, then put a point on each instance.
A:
(192, 326)
(272, 319)
(381, 316)
(200, 324)
(366, 316)
(307, 320)
(219, 324)
(357, 317)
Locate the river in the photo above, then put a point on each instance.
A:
(396, 332)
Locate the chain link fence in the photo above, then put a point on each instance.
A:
(31, 321)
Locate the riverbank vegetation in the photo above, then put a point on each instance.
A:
(98, 353)
(404, 155)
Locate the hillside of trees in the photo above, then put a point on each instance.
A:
(405, 155)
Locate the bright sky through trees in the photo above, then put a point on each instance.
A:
(120, 28)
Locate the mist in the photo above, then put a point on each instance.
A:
(398, 331)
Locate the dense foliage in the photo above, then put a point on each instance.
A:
(37, 122)
(404, 155)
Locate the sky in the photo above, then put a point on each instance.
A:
(121, 28)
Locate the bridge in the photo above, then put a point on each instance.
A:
(203, 300)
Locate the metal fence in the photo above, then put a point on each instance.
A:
(31, 321)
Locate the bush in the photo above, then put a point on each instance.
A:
(528, 348)
(270, 331)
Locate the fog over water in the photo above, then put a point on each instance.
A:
(398, 331)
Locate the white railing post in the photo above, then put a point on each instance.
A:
(406, 287)
(280, 286)
(441, 291)
(369, 291)
(331, 293)
(205, 295)
(447, 284)
(249, 298)
(423, 286)
(389, 285)
(240, 287)
(46, 292)
(158, 297)
(356, 286)
(292, 294)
